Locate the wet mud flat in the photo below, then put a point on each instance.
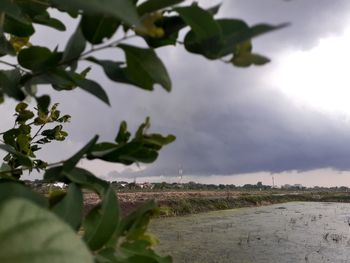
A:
(290, 232)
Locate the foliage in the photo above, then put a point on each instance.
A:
(21, 145)
(50, 222)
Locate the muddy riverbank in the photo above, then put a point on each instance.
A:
(192, 202)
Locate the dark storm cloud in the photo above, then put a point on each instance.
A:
(245, 130)
(310, 19)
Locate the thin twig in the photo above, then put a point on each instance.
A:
(37, 133)
(110, 45)
(81, 56)
(8, 64)
(14, 66)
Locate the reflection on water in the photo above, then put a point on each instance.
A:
(292, 232)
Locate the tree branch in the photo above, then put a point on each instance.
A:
(110, 45)
(81, 56)
(37, 133)
(8, 64)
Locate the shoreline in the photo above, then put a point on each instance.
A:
(193, 205)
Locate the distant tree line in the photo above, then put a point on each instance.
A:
(43, 186)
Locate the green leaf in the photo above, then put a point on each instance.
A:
(54, 134)
(55, 174)
(10, 83)
(142, 129)
(33, 8)
(206, 36)
(20, 107)
(142, 148)
(87, 180)
(93, 88)
(25, 129)
(70, 208)
(55, 197)
(45, 19)
(260, 29)
(43, 103)
(17, 28)
(75, 46)
(122, 10)
(138, 251)
(248, 59)
(98, 28)
(158, 139)
(243, 56)
(23, 144)
(11, 9)
(55, 115)
(64, 119)
(127, 154)
(236, 32)
(155, 5)
(202, 23)
(214, 9)
(24, 116)
(30, 234)
(10, 136)
(115, 71)
(171, 26)
(38, 58)
(64, 80)
(24, 160)
(73, 161)
(5, 47)
(101, 223)
(103, 147)
(135, 221)
(58, 77)
(123, 135)
(10, 190)
(144, 68)
(79, 176)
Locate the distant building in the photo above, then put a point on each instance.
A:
(292, 187)
(146, 185)
(286, 186)
(60, 185)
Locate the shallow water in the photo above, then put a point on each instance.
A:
(292, 232)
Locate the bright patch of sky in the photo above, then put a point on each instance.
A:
(318, 77)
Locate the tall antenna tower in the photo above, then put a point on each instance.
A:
(181, 171)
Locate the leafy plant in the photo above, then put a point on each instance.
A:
(53, 224)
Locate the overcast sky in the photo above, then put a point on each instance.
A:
(289, 119)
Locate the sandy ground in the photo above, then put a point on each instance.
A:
(130, 200)
(92, 198)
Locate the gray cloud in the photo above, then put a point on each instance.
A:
(259, 132)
